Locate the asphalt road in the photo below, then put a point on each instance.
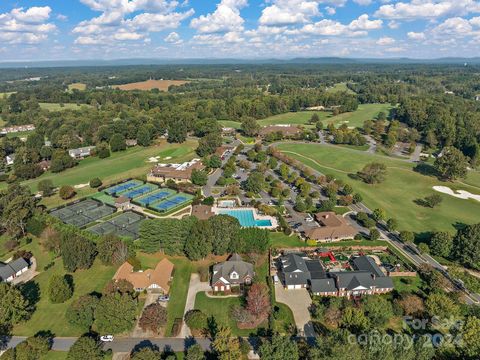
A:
(123, 344)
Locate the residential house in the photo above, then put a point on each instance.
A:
(131, 142)
(228, 131)
(232, 273)
(176, 172)
(297, 271)
(285, 130)
(12, 269)
(17, 128)
(153, 280)
(332, 227)
(10, 159)
(81, 153)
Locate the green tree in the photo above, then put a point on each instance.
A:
(255, 182)
(250, 126)
(77, 252)
(146, 353)
(115, 314)
(154, 318)
(441, 244)
(279, 348)
(470, 335)
(374, 234)
(354, 320)
(373, 173)
(226, 346)
(433, 200)
(59, 289)
(199, 177)
(66, 192)
(466, 246)
(16, 208)
(208, 144)
(103, 151)
(452, 164)
(14, 307)
(439, 304)
(407, 236)
(195, 352)
(378, 310)
(144, 137)
(199, 242)
(86, 347)
(118, 143)
(196, 319)
(112, 250)
(226, 230)
(392, 224)
(95, 183)
(215, 162)
(81, 312)
(34, 347)
(46, 187)
(379, 215)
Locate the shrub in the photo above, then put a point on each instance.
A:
(196, 320)
(59, 289)
(311, 242)
(95, 183)
(67, 192)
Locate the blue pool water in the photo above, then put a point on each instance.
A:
(246, 218)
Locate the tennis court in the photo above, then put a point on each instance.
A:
(123, 187)
(83, 212)
(171, 203)
(138, 191)
(154, 197)
(125, 225)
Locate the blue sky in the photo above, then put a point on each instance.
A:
(110, 29)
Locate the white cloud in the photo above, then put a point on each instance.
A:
(225, 18)
(364, 23)
(363, 2)
(289, 12)
(173, 38)
(385, 41)
(416, 35)
(427, 9)
(326, 27)
(28, 26)
(115, 25)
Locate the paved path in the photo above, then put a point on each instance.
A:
(299, 302)
(415, 157)
(194, 288)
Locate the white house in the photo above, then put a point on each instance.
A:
(81, 152)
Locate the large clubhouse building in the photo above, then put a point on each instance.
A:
(297, 271)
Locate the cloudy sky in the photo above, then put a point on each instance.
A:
(110, 29)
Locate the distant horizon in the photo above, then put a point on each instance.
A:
(248, 29)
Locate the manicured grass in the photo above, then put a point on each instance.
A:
(48, 316)
(340, 210)
(280, 240)
(246, 140)
(220, 309)
(231, 124)
(58, 107)
(298, 118)
(355, 147)
(397, 194)
(6, 94)
(407, 284)
(357, 118)
(283, 319)
(121, 165)
(20, 134)
(55, 355)
(340, 87)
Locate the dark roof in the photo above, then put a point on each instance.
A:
(351, 280)
(323, 285)
(11, 268)
(316, 269)
(366, 263)
(222, 271)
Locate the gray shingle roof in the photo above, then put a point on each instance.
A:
(233, 264)
(366, 263)
(11, 268)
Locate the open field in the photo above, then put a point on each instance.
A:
(20, 134)
(340, 87)
(161, 85)
(294, 118)
(59, 107)
(229, 123)
(357, 118)
(48, 316)
(77, 86)
(6, 94)
(120, 165)
(398, 193)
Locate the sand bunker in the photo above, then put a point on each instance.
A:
(461, 194)
(81, 186)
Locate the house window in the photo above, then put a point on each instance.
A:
(234, 275)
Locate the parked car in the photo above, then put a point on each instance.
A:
(163, 298)
(106, 338)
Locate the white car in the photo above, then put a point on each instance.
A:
(106, 338)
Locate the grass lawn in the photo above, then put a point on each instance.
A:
(299, 118)
(121, 165)
(4, 95)
(246, 139)
(20, 134)
(396, 195)
(356, 118)
(55, 355)
(48, 316)
(280, 240)
(219, 308)
(58, 107)
(407, 284)
(340, 87)
(231, 124)
(355, 147)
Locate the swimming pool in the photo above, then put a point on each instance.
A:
(246, 218)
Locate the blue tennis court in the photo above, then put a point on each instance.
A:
(153, 197)
(123, 187)
(170, 203)
(139, 191)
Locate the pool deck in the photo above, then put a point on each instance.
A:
(218, 210)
